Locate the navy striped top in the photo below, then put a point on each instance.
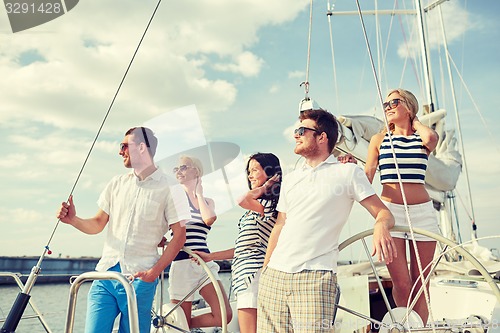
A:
(411, 156)
(196, 233)
(251, 245)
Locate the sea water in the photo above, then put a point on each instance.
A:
(52, 301)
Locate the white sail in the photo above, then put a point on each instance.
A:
(445, 163)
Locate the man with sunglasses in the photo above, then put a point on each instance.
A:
(138, 207)
(298, 287)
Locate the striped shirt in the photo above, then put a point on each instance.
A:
(196, 233)
(251, 245)
(411, 156)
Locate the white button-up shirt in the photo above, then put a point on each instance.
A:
(317, 202)
(139, 215)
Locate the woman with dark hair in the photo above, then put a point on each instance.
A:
(264, 181)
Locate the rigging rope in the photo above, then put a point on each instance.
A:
(408, 58)
(459, 127)
(419, 264)
(329, 15)
(10, 323)
(308, 62)
(17, 310)
(106, 115)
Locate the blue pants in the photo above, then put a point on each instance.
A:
(107, 299)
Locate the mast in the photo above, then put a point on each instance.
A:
(425, 56)
(452, 87)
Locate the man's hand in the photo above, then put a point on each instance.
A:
(383, 244)
(147, 276)
(347, 158)
(67, 211)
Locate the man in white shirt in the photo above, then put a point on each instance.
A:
(138, 207)
(298, 284)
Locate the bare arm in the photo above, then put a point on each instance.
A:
(251, 203)
(91, 226)
(173, 248)
(219, 255)
(383, 244)
(207, 205)
(249, 200)
(429, 136)
(273, 238)
(372, 158)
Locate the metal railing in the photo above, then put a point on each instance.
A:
(38, 314)
(89, 276)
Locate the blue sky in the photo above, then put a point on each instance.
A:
(240, 64)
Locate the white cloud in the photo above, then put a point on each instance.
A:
(296, 74)
(457, 22)
(52, 108)
(246, 64)
(87, 51)
(13, 160)
(58, 81)
(18, 215)
(274, 88)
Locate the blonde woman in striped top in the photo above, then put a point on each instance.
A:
(184, 274)
(413, 142)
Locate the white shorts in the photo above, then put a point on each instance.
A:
(185, 275)
(422, 216)
(247, 299)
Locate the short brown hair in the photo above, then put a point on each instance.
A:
(146, 135)
(325, 122)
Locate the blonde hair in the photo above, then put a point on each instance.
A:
(195, 162)
(409, 99)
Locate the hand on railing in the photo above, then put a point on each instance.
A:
(202, 255)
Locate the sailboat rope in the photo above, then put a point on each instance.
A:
(17, 310)
(308, 62)
(46, 249)
(329, 16)
(414, 243)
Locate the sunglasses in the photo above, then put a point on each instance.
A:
(123, 146)
(393, 103)
(301, 130)
(181, 168)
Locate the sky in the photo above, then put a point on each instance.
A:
(226, 72)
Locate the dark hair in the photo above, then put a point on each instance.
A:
(325, 122)
(146, 135)
(271, 165)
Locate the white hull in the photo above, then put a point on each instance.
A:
(456, 298)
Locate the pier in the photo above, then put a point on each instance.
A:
(57, 270)
(54, 270)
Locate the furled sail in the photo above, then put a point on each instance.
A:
(445, 163)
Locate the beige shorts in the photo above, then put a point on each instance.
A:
(185, 275)
(247, 299)
(302, 302)
(422, 216)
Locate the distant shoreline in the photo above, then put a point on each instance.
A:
(58, 270)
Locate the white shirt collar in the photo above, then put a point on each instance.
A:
(156, 175)
(329, 160)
